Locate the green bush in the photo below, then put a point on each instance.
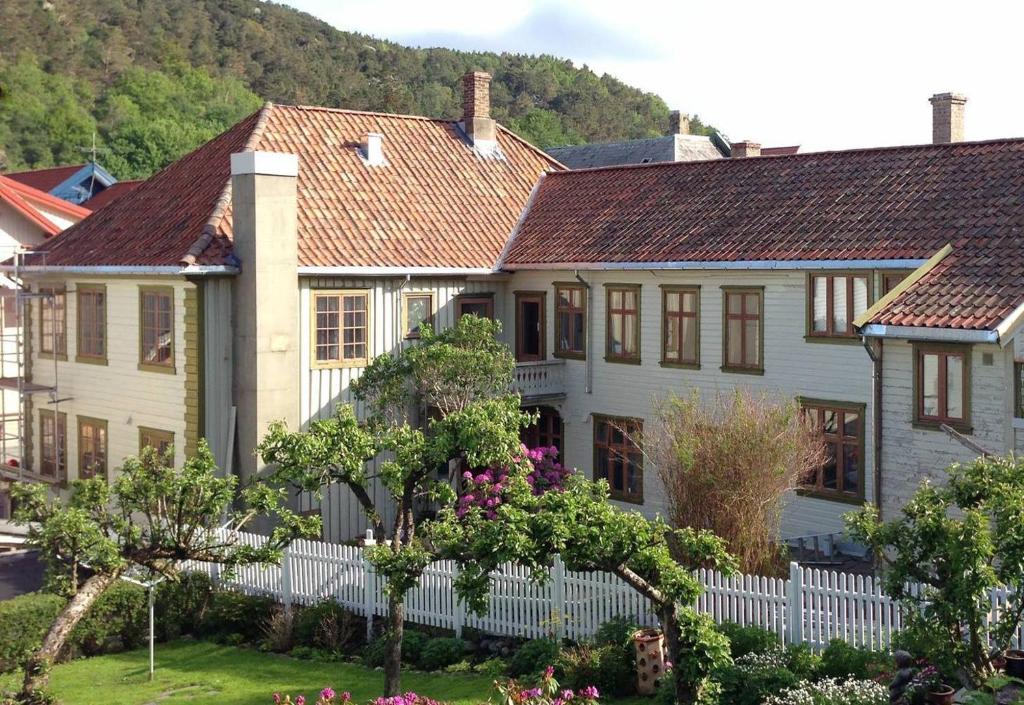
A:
(375, 652)
(609, 667)
(329, 626)
(494, 667)
(802, 661)
(24, 621)
(617, 631)
(180, 606)
(755, 676)
(442, 652)
(413, 643)
(533, 657)
(840, 660)
(747, 640)
(121, 613)
(234, 618)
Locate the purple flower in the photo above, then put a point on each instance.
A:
(467, 475)
(300, 700)
(346, 696)
(549, 672)
(567, 694)
(326, 693)
(589, 693)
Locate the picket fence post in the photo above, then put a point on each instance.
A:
(794, 605)
(286, 579)
(459, 617)
(558, 597)
(369, 589)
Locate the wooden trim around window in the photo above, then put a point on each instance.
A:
(157, 435)
(667, 289)
(828, 335)
(742, 369)
(406, 295)
(95, 424)
(57, 290)
(60, 420)
(526, 295)
(834, 495)
(79, 355)
(570, 354)
(341, 362)
(622, 421)
(486, 298)
(928, 422)
(164, 367)
(634, 359)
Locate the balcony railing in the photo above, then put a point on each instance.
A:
(544, 379)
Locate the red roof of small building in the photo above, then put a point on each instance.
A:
(45, 179)
(873, 204)
(436, 203)
(110, 194)
(28, 201)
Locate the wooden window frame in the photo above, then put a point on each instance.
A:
(886, 275)
(609, 356)
(829, 334)
(406, 295)
(97, 424)
(570, 354)
(144, 364)
(726, 316)
(81, 292)
(60, 419)
(839, 407)
(624, 423)
(944, 351)
(669, 290)
(46, 301)
(341, 362)
(487, 299)
(1018, 391)
(519, 297)
(160, 436)
(551, 415)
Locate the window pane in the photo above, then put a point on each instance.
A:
(752, 348)
(629, 334)
(860, 295)
(615, 346)
(734, 346)
(671, 338)
(851, 424)
(750, 304)
(629, 300)
(954, 387)
(689, 343)
(689, 302)
(564, 331)
(829, 421)
(839, 317)
(851, 468)
(828, 471)
(563, 297)
(820, 308)
(617, 479)
(417, 311)
(672, 302)
(734, 303)
(577, 331)
(930, 384)
(615, 299)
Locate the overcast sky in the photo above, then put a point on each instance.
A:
(823, 74)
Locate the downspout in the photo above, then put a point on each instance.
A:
(589, 367)
(876, 416)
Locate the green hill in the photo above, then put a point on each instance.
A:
(155, 78)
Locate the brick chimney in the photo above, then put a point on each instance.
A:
(947, 117)
(678, 124)
(746, 148)
(476, 109)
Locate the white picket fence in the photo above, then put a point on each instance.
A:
(812, 606)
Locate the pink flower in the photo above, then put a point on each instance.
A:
(346, 696)
(589, 693)
(326, 694)
(668, 665)
(549, 672)
(567, 694)
(300, 700)
(467, 475)
(277, 699)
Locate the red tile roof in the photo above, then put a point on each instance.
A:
(45, 179)
(28, 201)
(436, 203)
(891, 203)
(110, 194)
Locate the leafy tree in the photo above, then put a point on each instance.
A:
(577, 521)
(727, 464)
(463, 376)
(957, 542)
(151, 518)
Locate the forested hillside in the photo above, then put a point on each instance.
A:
(155, 78)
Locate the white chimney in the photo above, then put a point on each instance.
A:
(947, 117)
(373, 149)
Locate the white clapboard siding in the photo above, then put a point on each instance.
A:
(812, 606)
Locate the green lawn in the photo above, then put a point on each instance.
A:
(202, 673)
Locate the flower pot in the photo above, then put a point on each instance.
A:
(941, 695)
(650, 659)
(1014, 663)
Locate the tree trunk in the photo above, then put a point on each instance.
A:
(37, 668)
(393, 661)
(685, 692)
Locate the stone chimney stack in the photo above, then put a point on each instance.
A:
(476, 109)
(746, 148)
(265, 298)
(947, 117)
(678, 124)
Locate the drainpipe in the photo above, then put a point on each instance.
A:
(876, 416)
(589, 367)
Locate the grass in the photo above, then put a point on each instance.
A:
(202, 673)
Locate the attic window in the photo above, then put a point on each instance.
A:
(645, 160)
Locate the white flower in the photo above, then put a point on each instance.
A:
(832, 691)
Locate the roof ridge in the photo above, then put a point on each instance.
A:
(530, 145)
(801, 155)
(220, 206)
(17, 200)
(350, 111)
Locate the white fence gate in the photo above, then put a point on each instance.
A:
(811, 606)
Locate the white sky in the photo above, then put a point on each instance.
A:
(822, 74)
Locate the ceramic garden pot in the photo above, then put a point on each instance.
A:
(1014, 663)
(942, 695)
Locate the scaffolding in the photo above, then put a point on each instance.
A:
(17, 389)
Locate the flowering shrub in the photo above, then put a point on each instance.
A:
(407, 699)
(547, 692)
(327, 697)
(484, 489)
(832, 691)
